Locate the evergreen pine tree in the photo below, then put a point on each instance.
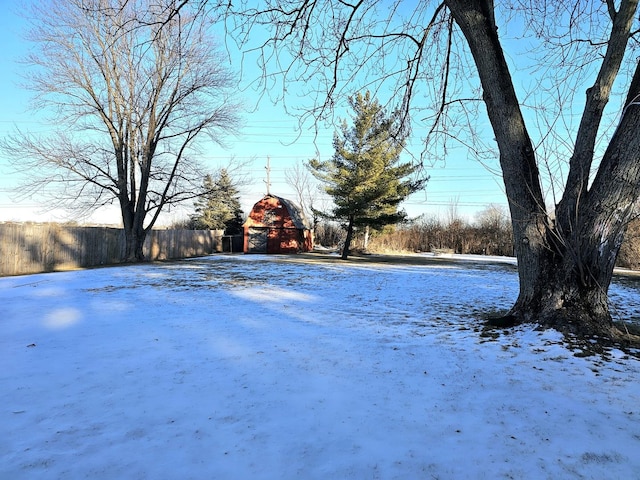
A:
(218, 208)
(365, 177)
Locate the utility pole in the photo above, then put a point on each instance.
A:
(268, 180)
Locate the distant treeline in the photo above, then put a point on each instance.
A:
(432, 234)
(490, 234)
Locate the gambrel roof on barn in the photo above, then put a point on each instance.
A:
(296, 214)
(277, 225)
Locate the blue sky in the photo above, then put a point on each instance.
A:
(268, 132)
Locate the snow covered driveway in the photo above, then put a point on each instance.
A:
(256, 367)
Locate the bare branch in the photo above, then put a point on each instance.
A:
(597, 98)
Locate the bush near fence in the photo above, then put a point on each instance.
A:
(46, 247)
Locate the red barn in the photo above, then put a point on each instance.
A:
(276, 225)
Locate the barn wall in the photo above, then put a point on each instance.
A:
(284, 240)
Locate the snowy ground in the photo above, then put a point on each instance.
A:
(252, 367)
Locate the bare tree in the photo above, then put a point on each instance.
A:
(135, 86)
(495, 229)
(439, 62)
(492, 217)
(299, 178)
(455, 225)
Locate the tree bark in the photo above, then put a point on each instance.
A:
(134, 232)
(134, 243)
(347, 240)
(365, 243)
(559, 297)
(517, 158)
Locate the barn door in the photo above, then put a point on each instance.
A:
(258, 240)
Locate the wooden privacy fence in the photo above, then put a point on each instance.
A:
(46, 247)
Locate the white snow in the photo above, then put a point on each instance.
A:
(256, 367)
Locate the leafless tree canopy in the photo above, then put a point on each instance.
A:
(133, 86)
(415, 56)
(326, 51)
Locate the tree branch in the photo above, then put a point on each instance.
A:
(597, 98)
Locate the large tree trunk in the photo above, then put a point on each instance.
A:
(134, 243)
(365, 242)
(134, 232)
(347, 240)
(565, 266)
(568, 291)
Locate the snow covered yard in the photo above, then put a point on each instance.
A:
(256, 367)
